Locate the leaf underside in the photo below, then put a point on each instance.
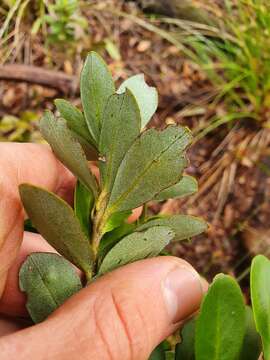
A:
(67, 149)
(154, 162)
(48, 280)
(137, 246)
(120, 127)
(96, 87)
(74, 118)
(186, 186)
(146, 96)
(56, 222)
(184, 226)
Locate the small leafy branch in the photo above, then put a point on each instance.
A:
(135, 166)
(225, 328)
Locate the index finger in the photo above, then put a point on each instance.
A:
(22, 163)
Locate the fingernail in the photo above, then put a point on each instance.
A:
(183, 292)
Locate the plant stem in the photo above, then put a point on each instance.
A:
(88, 276)
(100, 218)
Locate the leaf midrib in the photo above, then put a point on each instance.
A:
(83, 239)
(116, 130)
(43, 280)
(147, 167)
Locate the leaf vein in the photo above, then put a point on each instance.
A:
(140, 176)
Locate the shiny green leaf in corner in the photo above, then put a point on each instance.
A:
(56, 222)
(252, 345)
(48, 281)
(260, 296)
(96, 87)
(220, 326)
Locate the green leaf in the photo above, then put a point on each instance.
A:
(77, 124)
(120, 127)
(56, 222)
(169, 355)
(158, 353)
(112, 49)
(260, 296)
(184, 226)
(186, 186)
(96, 87)
(48, 280)
(116, 220)
(186, 349)
(252, 346)
(137, 246)
(36, 26)
(83, 204)
(74, 118)
(154, 162)
(220, 326)
(113, 237)
(67, 149)
(146, 96)
(28, 226)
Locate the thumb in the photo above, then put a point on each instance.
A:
(123, 315)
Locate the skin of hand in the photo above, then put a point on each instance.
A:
(122, 315)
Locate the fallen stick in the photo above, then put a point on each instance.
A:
(37, 75)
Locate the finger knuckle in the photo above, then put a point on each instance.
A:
(125, 333)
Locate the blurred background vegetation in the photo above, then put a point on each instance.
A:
(210, 61)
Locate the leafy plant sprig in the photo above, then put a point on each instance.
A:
(135, 165)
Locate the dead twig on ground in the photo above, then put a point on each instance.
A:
(36, 75)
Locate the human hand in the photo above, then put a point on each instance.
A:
(123, 315)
